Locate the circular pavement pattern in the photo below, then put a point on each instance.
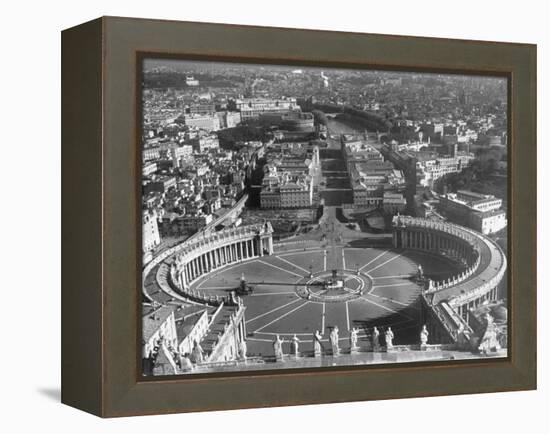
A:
(376, 287)
(334, 287)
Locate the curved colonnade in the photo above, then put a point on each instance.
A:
(482, 262)
(208, 253)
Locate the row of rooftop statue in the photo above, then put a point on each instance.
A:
(487, 344)
(188, 361)
(334, 342)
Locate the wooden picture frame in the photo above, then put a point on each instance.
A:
(101, 234)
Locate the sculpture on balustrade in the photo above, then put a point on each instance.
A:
(375, 339)
(317, 345)
(389, 338)
(278, 348)
(198, 353)
(333, 337)
(424, 336)
(185, 363)
(242, 349)
(419, 273)
(489, 341)
(294, 346)
(353, 337)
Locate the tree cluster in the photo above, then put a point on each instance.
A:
(319, 117)
(230, 137)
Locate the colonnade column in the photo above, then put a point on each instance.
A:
(185, 281)
(260, 247)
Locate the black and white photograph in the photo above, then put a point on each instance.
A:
(307, 216)
(294, 216)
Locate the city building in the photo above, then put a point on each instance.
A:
(371, 179)
(205, 143)
(431, 167)
(152, 153)
(207, 122)
(253, 107)
(202, 108)
(270, 197)
(423, 167)
(488, 222)
(358, 151)
(481, 212)
(229, 119)
(282, 192)
(191, 81)
(296, 194)
(393, 203)
(149, 168)
(178, 152)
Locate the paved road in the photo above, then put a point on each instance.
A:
(336, 189)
